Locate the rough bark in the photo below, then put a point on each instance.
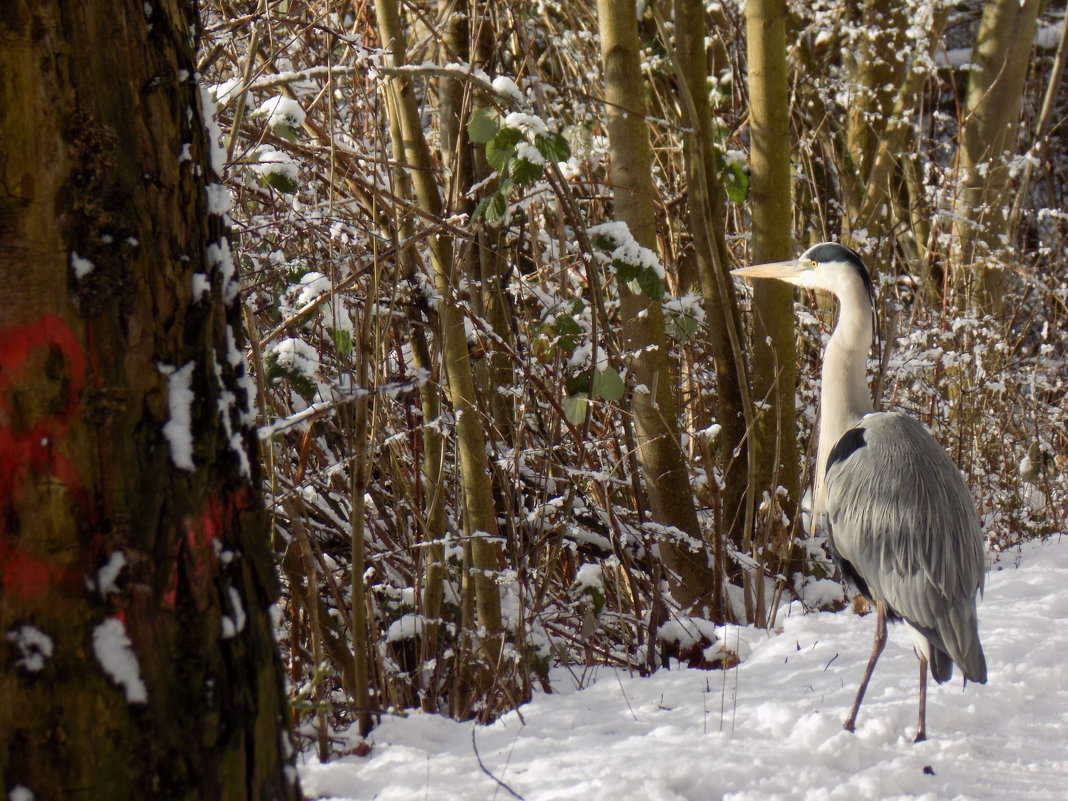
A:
(653, 407)
(115, 543)
(774, 365)
(1001, 57)
(876, 67)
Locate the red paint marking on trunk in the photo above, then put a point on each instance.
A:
(46, 331)
(36, 451)
(196, 547)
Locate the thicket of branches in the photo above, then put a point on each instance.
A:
(465, 581)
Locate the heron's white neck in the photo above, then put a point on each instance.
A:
(844, 393)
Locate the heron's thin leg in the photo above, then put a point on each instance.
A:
(877, 648)
(921, 728)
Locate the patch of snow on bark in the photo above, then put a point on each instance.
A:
(116, 657)
(180, 403)
(34, 646)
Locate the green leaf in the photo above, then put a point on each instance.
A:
(605, 243)
(508, 137)
(492, 208)
(498, 157)
(575, 407)
(567, 330)
(578, 384)
(280, 181)
(496, 209)
(596, 598)
(626, 271)
(681, 326)
(524, 172)
(651, 283)
(301, 383)
(287, 132)
(480, 209)
(343, 341)
(501, 148)
(608, 384)
(483, 125)
(565, 324)
(736, 181)
(719, 133)
(553, 147)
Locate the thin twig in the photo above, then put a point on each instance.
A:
(481, 765)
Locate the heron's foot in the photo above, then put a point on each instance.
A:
(921, 735)
(850, 724)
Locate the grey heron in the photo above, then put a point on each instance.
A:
(900, 520)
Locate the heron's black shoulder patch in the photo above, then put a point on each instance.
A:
(850, 442)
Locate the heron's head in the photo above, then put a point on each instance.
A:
(828, 266)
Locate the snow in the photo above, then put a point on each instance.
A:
(281, 110)
(269, 161)
(627, 250)
(406, 627)
(116, 657)
(200, 286)
(218, 152)
(34, 647)
(1048, 36)
(218, 256)
(180, 402)
(298, 355)
(589, 576)
(529, 124)
(506, 87)
(822, 593)
(235, 624)
(529, 153)
(313, 284)
(107, 575)
(225, 92)
(81, 266)
(711, 432)
(219, 199)
(768, 730)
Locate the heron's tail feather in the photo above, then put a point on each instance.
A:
(960, 641)
(941, 665)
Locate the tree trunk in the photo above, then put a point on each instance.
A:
(874, 194)
(774, 367)
(479, 512)
(433, 522)
(360, 434)
(1001, 57)
(652, 404)
(876, 69)
(133, 550)
(708, 224)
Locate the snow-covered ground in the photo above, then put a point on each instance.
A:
(769, 729)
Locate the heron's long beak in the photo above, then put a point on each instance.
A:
(783, 270)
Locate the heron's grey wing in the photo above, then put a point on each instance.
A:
(903, 520)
